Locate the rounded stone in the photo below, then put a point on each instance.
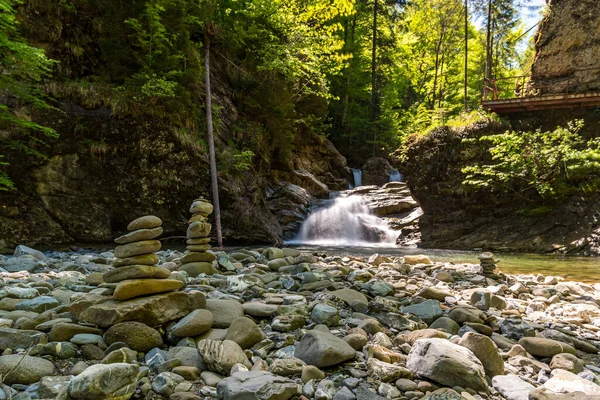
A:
(136, 272)
(244, 332)
(138, 336)
(543, 347)
(310, 372)
(139, 235)
(24, 370)
(137, 248)
(198, 230)
(198, 257)
(194, 269)
(325, 314)
(224, 311)
(129, 289)
(144, 259)
(201, 207)
(145, 222)
(105, 381)
(195, 323)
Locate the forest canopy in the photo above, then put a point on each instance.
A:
(365, 73)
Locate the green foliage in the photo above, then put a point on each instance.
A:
(551, 164)
(22, 66)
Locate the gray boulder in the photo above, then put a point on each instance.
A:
(105, 381)
(24, 370)
(256, 385)
(447, 363)
(322, 349)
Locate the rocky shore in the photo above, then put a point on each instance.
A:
(279, 324)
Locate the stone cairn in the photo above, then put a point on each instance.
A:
(136, 273)
(197, 260)
(488, 265)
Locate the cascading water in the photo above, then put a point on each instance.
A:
(347, 221)
(357, 177)
(396, 176)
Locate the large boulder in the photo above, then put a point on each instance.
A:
(219, 356)
(137, 336)
(24, 370)
(447, 363)
(152, 311)
(105, 381)
(486, 351)
(256, 385)
(322, 349)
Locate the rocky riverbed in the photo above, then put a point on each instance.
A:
(279, 324)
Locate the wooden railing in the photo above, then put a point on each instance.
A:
(521, 86)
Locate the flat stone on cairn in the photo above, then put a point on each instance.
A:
(197, 260)
(136, 273)
(488, 265)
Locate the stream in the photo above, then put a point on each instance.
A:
(584, 269)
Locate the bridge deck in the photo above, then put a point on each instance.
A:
(543, 102)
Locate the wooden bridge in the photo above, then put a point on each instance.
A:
(514, 94)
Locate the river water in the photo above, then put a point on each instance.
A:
(584, 269)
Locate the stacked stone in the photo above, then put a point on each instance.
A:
(198, 260)
(136, 273)
(488, 265)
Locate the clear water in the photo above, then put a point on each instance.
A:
(583, 269)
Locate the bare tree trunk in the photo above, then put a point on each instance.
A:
(466, 55)
(374, 77)
(488, 49)
(211, 144)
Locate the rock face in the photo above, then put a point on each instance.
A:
(455, 219)
(446, 363)
(93, 180)
(567, 49)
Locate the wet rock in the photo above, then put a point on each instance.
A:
(38, 305)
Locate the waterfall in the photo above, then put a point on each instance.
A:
(347, 221)
(357, 177)
(396, 176)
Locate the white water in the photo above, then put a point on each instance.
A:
(396, 176)
(357, 177)
(347, 221)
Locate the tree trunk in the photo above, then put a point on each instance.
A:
(488, 49)
(211, 144)
(373, 77)
(466, 105)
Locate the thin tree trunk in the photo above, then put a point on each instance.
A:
(488, 49)
(211, 145)
(374, 77)
(435, 71)
(466, 55)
